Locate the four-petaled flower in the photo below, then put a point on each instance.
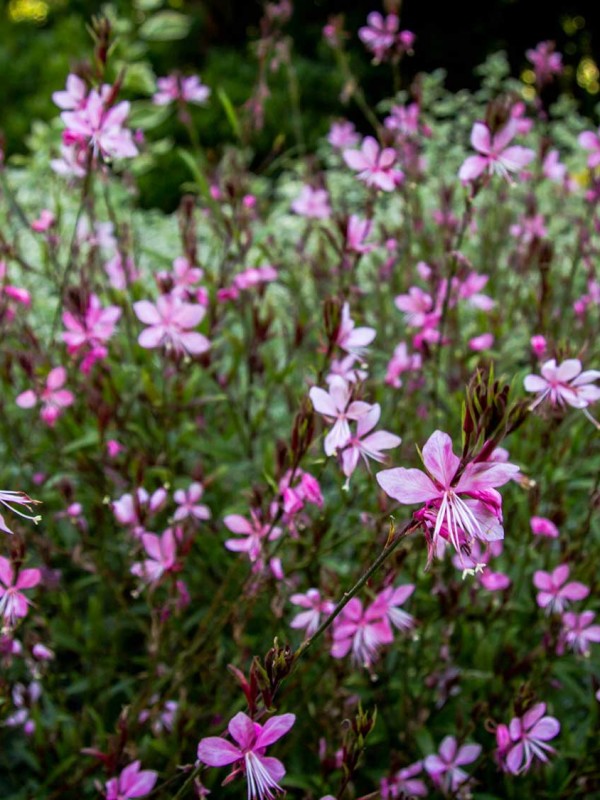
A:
(554, 592)
(170, 321)
(350, 338)
(185, 89)
(565, 383)
(316, 606)
(578, 632)
(363, 632)
(366, 444)
(13, 603)
(187, 500)
(255, 532)
(444, 768)
(375, 166)
(162, 552)
(525, 739)
(53, 397)
(132, 782)
(496, 157)
(263, 773)
(336, 405)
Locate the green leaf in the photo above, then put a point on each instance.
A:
(139, 78)
(229, 111)
(166, 26)
(90, 439)
(145, 115)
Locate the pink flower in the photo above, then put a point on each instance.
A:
(482, 342)
(445, 512)
(343, 134)
(357, 231)
(389, 601)
(176, 87)
(187, 500)
(540, 526)
(101, 128)
(130, 509)
(8, 498)
(418, 307)
(305, 489)
(538, 345)
(14, 604)
(44, 222)
(255, 276)
(346, 370)
(564, 383)
(444, 768)
(162, 552)
(362, 632)
(401, 362)
(403, 784)
(89, 332)
(554, 592)
(74, 96)
(263, 773)
(366, 444)
(337, 406)
(496, 157)
(311, 618)
(312, 203)
(374, 165)
(591, 141)
(349, 337)
(132, 782)
(170, 321)
(552, 167)
(546, 62)
(578, 632)
(255, 532)
(379, 35)
(525, 739)
(53, 397)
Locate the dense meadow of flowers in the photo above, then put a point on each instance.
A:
(301, 483)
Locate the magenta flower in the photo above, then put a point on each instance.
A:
(312, 203)
(362, 632)
(170, 321)
(496, 157)
(404, 784)
(53, 397)
(13, 603)
(443, 489)
(379, 34)
(375, 166)
(555, 594)
(418, 307)
(343, 134)
(74, 96)
(315, 606)
(444, 768)
(162, 552)
(131, 509)
(187, 500)
(8, 498)
(399, 363)
(263, 773)
(565, 383)
(101, 128)
(356, 232)
(132, 782)
(578, 632)
(389, 601)
(89, 332)
(546, 62)
(176, 87)
(366, 444)
(337, 406)
(591, 141)
(540, 526)
(350, 338)
(525, 739)
(255, 532)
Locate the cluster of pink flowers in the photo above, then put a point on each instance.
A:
(178, 88)
(382, 37)
(546, 62)
(88, 331)
(524, 739)
(565, 384)
(53, 397)
(94, 127)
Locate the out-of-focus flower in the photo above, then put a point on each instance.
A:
(375, 165)
(496, 157)
(187, 500)
(53, 398)
(525, 739)
(13, 603)
(555, 593)
(312, 203)
(170, 321)
(565, 383)
(132, 782)
(444, 768)
(177, 87)
(310, 619)
(578, 632)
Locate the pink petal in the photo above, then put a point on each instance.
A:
(407, 486)
(467, 754)
(195, 343)
(534, 383)
(6, 572)
(151, 337)
(568, 370)
(189, 315)
(355, 159)
(480, 138)
(56, 378)
(472, 168)
(274, 729)
(504, 136)
(28, 578)
(146, 312)
(238, 524)
(322, 402)
(514, 759)
(542, 580)
(515, 158)
(241, 728)
(368, 421)
(439, 459)
(533, 715)
(337, 438)
(217, 752)
(547, 728)
(27, 399)
(350, 458)
(380, 440)
(448, 748)
(273, 766)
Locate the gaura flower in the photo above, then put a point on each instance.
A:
(555, 593)
(525, 739)
(336, 405)
(131, 783)
(444, 768)
(13, 603)
(495, 156)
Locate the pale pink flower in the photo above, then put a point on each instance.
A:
(23, 697)
(460, 505)
(366, 444)
(375, 165)
(528, 229)
(74, 96)
(132, 782)
(255, 276)
(345, 368)
(263, 773)
(177, 87)
(552, 167)
(404, 783)
(343, 134)
(389, 601)
(591, 141)
(8, 498)
(496, 157)
(88, 333)
(53, 398)
(363, 632)
(444, 768)
(546, 62)
(565, 383)
(170, 321)
(72, 162)
(253, 531)
(121, 273)
(162, 556)
(541, 526)
(555, 593)
(42, 653)
(356, 232)
(349, 337)
(336, 405)
(304, 488)
(418, 307)
(379, 34)
(312, 203)
(101, 128)
(482, 342)
(404, 119)
(187, 500)
(13, 603)
(131, 509)
(525, 739)
(401, 362)
(578, 632)
(470, 290)
(315, 606)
